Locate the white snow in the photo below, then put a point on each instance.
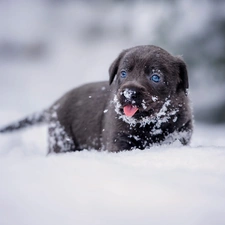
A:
(154, 98)
(144, 104)
(162, 185)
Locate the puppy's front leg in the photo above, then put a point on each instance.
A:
(59, 140)
(125, 141)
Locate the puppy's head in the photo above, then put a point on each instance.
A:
(145, 78)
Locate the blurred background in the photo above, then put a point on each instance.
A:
(50, 46)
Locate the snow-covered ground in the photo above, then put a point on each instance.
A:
(162, 185)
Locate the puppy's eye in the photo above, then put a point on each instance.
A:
(123, 74)
(155, 78)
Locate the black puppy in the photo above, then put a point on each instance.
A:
(146, 104)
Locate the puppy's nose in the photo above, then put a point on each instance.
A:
(130, 94)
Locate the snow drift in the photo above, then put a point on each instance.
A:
(163, 185)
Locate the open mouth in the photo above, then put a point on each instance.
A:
(133, 109)
(130, 110)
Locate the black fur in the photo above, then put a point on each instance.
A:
(92, 117)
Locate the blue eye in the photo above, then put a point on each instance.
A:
(155, 78)
(123, 74)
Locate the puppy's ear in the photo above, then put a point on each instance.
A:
(113, 69)
(183, 76)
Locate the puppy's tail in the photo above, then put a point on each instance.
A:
(33, 119)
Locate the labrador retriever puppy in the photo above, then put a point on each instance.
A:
(145, 103)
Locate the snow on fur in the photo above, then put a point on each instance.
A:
(58, 138)
(162, 116)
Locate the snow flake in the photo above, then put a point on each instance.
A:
(144, 104)
(154, 98)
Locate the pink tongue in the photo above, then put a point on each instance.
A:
(130, 110)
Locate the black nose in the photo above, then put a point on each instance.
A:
(129, 94)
